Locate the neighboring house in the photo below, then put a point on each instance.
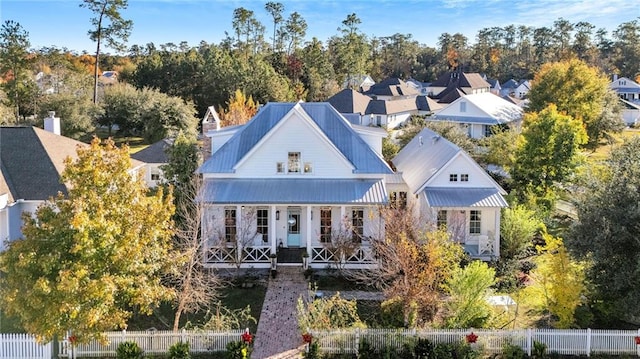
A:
(153, 157)
(478, 113)
(494, 85)
(108, 78)
(421, 87)
(449, 189)
(455, 84)
(363, 110)
(392, 88)
(630, 113)
(31, 165)
(358, 82)
(517, 89)
(626, 88)
(300, 179)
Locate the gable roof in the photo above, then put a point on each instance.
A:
(424, 156)
(460, 79)
(155, 153)
(350, 101)
(495, 110)
(511, 84)
(334, 126)
(32, 161)
(392, 87)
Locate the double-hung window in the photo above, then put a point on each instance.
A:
(474, 222)
(230, 224)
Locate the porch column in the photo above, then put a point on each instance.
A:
(239, 233)
(496, 240)
(272, 229)
(308, 235)
(342, 219)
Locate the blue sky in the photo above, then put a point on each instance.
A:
(62, 23)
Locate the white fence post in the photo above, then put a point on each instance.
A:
(588, 342)
(529, 341)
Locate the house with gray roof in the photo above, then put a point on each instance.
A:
(449, 189)
(626, 88)
(516, 89)
(154, 157)
(454, 84)
(31, 166)
(297, 180)
(479, 113)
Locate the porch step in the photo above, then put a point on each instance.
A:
(290, 255)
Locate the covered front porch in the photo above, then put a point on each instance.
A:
(249, 223)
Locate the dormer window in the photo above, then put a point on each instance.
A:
(294, 162)
(453, 177)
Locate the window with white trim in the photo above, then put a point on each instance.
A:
(474, 222)
(230, 224)
(294, 162)
(325, 225)
(464, 177)
(357, 225)
(453, 177)
(441, 220)
(463, 106)
(279, 167)
(262, 224)
(308, 167)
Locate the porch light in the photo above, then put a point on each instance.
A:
(291, 221)
(277, 215)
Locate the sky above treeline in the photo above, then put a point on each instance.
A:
(63, 24)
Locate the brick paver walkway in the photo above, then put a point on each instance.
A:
(278, 336)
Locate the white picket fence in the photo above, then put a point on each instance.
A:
(571, 342)
(152, 342)
(23, 346)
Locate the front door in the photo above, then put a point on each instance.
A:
(293, 225)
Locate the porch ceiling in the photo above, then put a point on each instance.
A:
(464, 197)
(294, 191)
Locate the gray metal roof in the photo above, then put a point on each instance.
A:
(294, 191)
(464, 197)
(155, 153)
(422, 157)
(330, 122)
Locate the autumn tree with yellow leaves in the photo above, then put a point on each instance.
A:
(240, 109)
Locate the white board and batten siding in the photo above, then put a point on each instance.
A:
(295, 134)
(462, 164)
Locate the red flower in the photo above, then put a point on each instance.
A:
(307, 337)
(471, 338)
(247, 337)
(637, 340)
(73, 339)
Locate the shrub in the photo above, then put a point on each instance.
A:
(539, 350)
(511, 351)
(424, 349)
(179, 350)
(237, 350)
(314, 351)
(129, 350)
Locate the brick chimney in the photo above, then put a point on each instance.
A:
(52, 123)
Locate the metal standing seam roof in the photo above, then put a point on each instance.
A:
(330, 122)
(497, 109)
(422, 157)
(464, 197)
(294, 191)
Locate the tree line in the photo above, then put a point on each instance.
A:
(281, 64)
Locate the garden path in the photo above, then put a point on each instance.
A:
(278, 336)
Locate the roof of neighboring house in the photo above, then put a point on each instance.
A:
(334, 126)
(155, 153)
(460, 79)
(630, 105)
(494, 83)
(426, 103)
(390, 107)
(350, 101)
(495, 109)
(294, 191)
(32, 161)
(392, 87)
(449, 95)
(510, 84)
